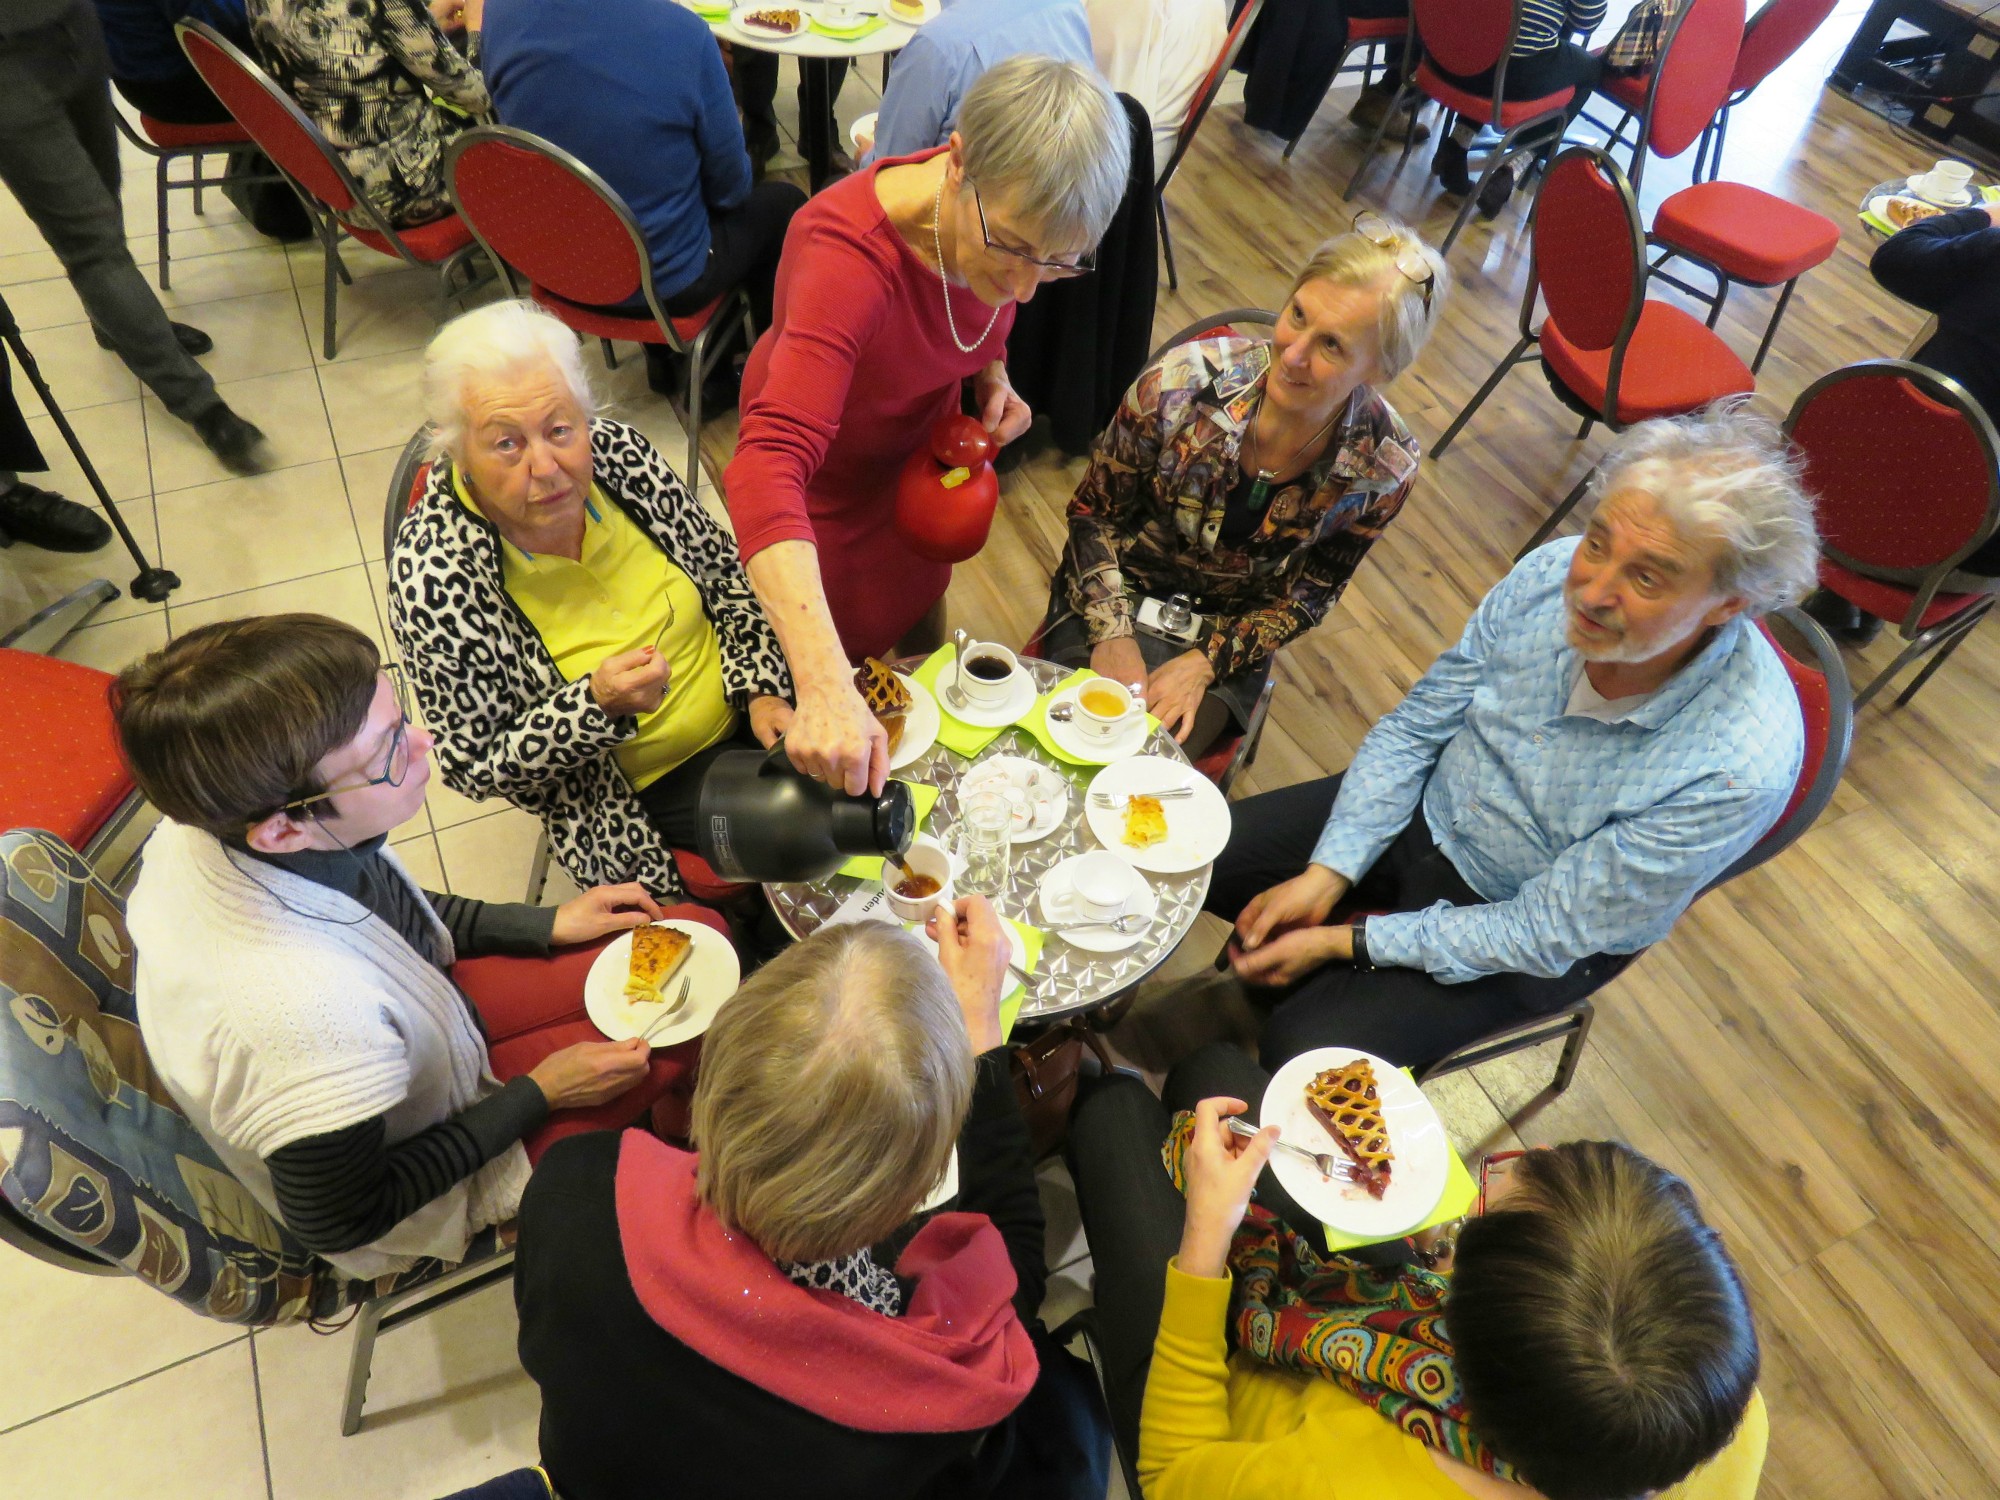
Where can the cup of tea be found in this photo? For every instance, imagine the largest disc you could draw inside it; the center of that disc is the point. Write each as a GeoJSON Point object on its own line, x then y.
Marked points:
{"type": "Point", "coordinates": [1100, 885]}
{"type": "Point", "coordinates": [989, 673]}
{"type": "Point", "coordinates": [1103, 709]}
{"type": "Point", "coordinates": [1946, 181]}
{"type": "Point", "coordinates": [834, 13]}
{"type": "Point", "coordinates": [923, 880]}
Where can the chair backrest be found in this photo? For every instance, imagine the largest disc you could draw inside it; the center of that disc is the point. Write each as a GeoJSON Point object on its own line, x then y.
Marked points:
{"type": "Point", "coordinates": [274, 121]}
{"type": "Point", "coordinates": [1236, 320]}
{"type": "Point", "coordinates": [406, 486]}
{"type": "Point", "coordinates": [1691, 79]}
{"type": "Point", "coordinates": [1774, 34]}
{"type": "Point", "coordinates": [1467, 37]}
{"type": "Point", "coordinates": [1589, 250]}
{"type": "Point", "coordinates": [1211, 85]}
{"type": "Point", "coordinates": [542, 211]}
{"type": "Point", "coordinates": [1826, 707]}
{"type": "Point", "coordinates": [1904, 467]}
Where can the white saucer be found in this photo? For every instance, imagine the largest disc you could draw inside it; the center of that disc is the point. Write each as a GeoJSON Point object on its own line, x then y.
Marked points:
{"type": "Point", "coordinates": [712, 967]}
{"type": "Point", "coordinates": [920, 725]}
{"type": "Point", "coordinates": [1961, 199]}
{"type": "Point", "coordinates": [1054, 895]}
{"type": "Point", "coordinates": [1092, 752]}
{"type": "Point", "coordinates": [1045, 790]}
{"type": "Point", "coordinates": [1020, 698]}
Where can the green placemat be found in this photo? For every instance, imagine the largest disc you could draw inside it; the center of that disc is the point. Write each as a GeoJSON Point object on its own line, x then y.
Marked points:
{"type": "Point", "coordinates": [869, 866]}
{"type": "Point", "coordinates": [852, 33]}
{"type": "Point", "coordinates": [1459, 1191]}
{"type": "Point", "coordinates": [1010, 1003]}
{"type": "Point", "coordinates": [1036, 721]}
{"type": "Point", "coordinates": [713, 14]}
{"type": "Point", "coordinates": [953, 734]}
{"type": "Point", "coordinates": [1988, 194]}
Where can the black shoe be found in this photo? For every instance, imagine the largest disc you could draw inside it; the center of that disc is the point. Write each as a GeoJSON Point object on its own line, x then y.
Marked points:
{"type": "Point", "coordinates": [1498, 189]}
{"type": "Point", "coordinates": [192, 340]}
{"type": "Point", "coordinates": [231, 439]}
{"type": "Point", "coordinates": [666, 372]}
{"type": "Point", "coordinates": [1449, 164]}
{"type": "Point", "coordinates": [42, 518]}
{"type": "Point", "coordinates": [1845, 622]}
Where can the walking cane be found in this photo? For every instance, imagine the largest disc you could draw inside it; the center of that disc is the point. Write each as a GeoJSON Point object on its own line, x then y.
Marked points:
{"type": "Point", "coordinates": [153, 584]}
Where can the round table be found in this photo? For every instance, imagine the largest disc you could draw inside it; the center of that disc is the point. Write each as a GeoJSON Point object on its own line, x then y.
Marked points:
{"type": "Point", "coordinates": [814, 52]}
{"type": "Point", "coordinates": [1067, 979]}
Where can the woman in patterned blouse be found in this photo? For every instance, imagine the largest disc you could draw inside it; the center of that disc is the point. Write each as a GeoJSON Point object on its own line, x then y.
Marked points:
{"type": "Point", "coordinates": [372, 75]}
{"type": "Point", "coordinates": [1250, 476]}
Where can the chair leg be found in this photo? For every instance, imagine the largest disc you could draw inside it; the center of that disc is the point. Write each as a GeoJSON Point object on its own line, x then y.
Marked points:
{"type": "Point", "coordinates": [1572, 1052]}
{"type": "Point", "coordinates": [1499, 374]}
{"type": "Point", "coordinates": [538, 869]}
{"type": "Point", "coordinates": [1771, 329]}
{"type": "Point", "coordinates": [695, 364]}
{"type": "Point", "coordinates": [610, 355]}
{"type": "Point", "coordinates": [1166, 241]}
{"type": "Point", "coordinates": [1556, 516]}
{"type": "Point", "coordinates": [160, 186]}
{"type": "Point", "coordinates": [366, 1323]}
{"type": "Point", "coordinates": [1584, 431]}
{"type": "Point", "coordinates": [330, 298]}
{"type": "Point", "coordinates": [1722, 286]}
{"type": "Point", "coordinates": [1721, 139]}
{"type": "Point", "coordinates": [46, 629]}
{"type": "Point", "coordinates": [1945, 650]}
{"type": "Point", "coordinates": [1375, 141]}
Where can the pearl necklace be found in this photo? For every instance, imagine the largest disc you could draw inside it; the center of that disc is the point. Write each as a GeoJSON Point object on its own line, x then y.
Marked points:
{"type": "Point", "coordinates": [944, 281]}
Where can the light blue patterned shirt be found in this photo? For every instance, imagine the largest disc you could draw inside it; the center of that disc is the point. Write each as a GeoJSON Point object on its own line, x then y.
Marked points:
{"type": "Point", "coordinates": [1584, 836]}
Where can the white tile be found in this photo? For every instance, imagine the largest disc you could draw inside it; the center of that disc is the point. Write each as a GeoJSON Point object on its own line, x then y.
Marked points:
{"type": "Point", "coordinates": [1067, 1293]}
{"type": "Point", "coordinates": [69, 1336]}
{"type": "Point", "coordinates": [419, 855]}
{"type": "Point", "coordinates": [246, 533]}
{"type": "Point", "coordinates": [49, 303]}
{"type": "Point", "coordinates": [384, 314]}
{"type": "Point", "coordinates": [78, 372]}
{"type": "Point", "coordinates": [1062, 1234]}
{"type": "Point", "coordinates": [287, 408]}
{"type": "Point", "coordinates": [116, 644]}
{"type": "Point", "coordinates": [488, 858]}
{"type": "Point", "coordinates": [31, 579]}
{"type": "Point", "coordinates": [343, 594]}
{"type": "Point", "coordinates": [36, 263]}
{"type": "Point", "coordinates": [233, 273]}
{"type": "Point", "coordinates": [260, 335]}
{"type": "Point", "coordinates": [448, 1406]}
{"type": "Point", "coordinates": [368, 476]}
{"type": "Point", "coordinates": [449, 809]}
{"type": "Point", "coordinates": [113, 438]}
{"type": "Point", "coordinates": [374, 403]}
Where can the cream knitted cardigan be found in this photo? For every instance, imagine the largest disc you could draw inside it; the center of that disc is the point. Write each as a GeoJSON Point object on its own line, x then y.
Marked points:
{"type": "Point", "coordinates": [276, 1009]}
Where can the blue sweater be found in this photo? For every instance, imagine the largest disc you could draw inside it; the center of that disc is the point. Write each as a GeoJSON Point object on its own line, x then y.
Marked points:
{"type": "Point", "coordinates": [636, 90]}
{"type": "Point", "coordinates": [139, 34]}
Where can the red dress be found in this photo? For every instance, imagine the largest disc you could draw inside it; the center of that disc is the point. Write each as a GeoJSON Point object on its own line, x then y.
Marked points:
{"type": "Point", "coordinates": [846, 383]}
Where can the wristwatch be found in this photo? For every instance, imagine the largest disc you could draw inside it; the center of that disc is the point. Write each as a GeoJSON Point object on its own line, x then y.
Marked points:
{"type": "Point", "coordinates": [1362, 962]}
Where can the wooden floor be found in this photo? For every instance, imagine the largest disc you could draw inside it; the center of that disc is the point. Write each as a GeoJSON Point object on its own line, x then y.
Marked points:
{"type": "Point", "coordinates": [1817, 1046]}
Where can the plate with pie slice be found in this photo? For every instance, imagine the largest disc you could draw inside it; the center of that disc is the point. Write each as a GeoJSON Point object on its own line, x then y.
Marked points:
{"type": "Point", "coordinates": [1370, 1114]}
{"type": "Point", "coordinates": [639, 973]}
{"type": "Point", "coordinates": [901, 705]}
{"type": "Point", "coordinates": [1167, 835]}
{"type": "Point", "coordinates": [771, 21]}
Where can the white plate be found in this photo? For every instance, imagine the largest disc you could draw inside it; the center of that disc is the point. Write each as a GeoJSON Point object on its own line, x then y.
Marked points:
{"type": "Point", "coordinates": [1054, 894]}
{"type": "Point", "coordinates": [712, 966]}
{"type": "Point", "coordinates": [739, 20]}
{"type": "Point", "coordinates": [1045, 791]}
{"type": "Point", "coordinates": [1879, 206]}
{"type": "Point", "coordinates": [866, 126]}
{"type": "Point", "coordinates": [947, 1188]}
{"type": "Point", "coordinates": [1017, 702]}
{"type": "Point", "coordinates": [1416, 1135]}
{"type": "Point", "coordinates": [1092, 752]}
{"type": "Point", "coordinates": [1962, 200]}
{"type": "Point", "coordinates": [920, 725]}
{"type": "Point", "coordinates": [1197, 826]}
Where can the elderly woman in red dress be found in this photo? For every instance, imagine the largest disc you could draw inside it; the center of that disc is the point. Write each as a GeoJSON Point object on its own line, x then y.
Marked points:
{"type": "Point", "coordinates": [897, 287]}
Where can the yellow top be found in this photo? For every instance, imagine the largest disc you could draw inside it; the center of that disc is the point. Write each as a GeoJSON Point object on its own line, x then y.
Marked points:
{"type": "Point", "coordinates": [615, 598]}
{"type": "Point", "coordinates": [1218, 1426]}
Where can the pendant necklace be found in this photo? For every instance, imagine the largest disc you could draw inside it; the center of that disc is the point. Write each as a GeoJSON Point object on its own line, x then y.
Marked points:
{"type": "Point", "coordinates": [1260, 489]}
{"type": "Point", "coordinates": [937, 238]}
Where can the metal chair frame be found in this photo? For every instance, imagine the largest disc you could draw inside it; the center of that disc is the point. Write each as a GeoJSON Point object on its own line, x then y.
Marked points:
{"type": "Point", "coordinates": [1708, 152]}
{"type": "Point", "coordinates": [700, 354]}
{"type": "Point", "coordinates": [163, 184]}
{"type": "Point", "coordinates": [1946, 635]}
{"type": "Point", "coordinates": [1232, 46]}
{"type": "Point", "coordinates": [1642, 141]}
{"type": "Point", "coordinates": [328, 225]}
{"type": "Point", "coordinates": [1366, 68]}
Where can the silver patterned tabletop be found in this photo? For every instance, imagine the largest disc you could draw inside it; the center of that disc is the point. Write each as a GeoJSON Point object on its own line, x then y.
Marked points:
{"type": "Point", "coordinates": [1067, 979]}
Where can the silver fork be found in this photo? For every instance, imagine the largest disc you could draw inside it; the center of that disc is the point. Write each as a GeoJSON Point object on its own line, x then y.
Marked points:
{"type": "Point", "coordinates": [1169, 794]}
{"type": "Point", "coordinates": [1329, 1165]}
{"type": "Point", "coordinates": [1130, 922]}
{"type": "Point", "coordinates": [659, 1021]}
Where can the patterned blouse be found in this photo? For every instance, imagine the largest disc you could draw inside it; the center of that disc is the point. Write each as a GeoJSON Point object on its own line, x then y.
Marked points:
{"type": "Point", "coordinates": [364, 71]}
{"type": "Point", "coordinates": [1148, 515]}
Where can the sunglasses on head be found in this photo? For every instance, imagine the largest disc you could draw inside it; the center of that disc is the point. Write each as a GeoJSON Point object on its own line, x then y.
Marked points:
{"type": "Point", "coordinates": [1379, 231]}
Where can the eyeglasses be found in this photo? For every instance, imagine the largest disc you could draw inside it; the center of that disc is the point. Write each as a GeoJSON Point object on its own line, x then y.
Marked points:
{"type": "Point", "coordinates": [398, 764]}
{"type": "Point", "coordinates": [1485, 1168]}
{"type": "Point", "coordinates": [1409, 260]}
{"type": "Point", "coordinates": [1058, 268]}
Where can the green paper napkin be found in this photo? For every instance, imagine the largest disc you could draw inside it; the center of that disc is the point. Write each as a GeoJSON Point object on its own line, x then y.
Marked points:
{"type": "Point", "coordinates": [852, 33]}
{"type": "Point", "coordinates": [953, 734]}
{"type": "Point", "coordinates": [869, 866]}
{"type": "Point", "coordinates": [711, 13]}
{"type": "Point", "coordinates": [1036, 721]}
{"type": "Point", "coordinates": [1459, 1191]}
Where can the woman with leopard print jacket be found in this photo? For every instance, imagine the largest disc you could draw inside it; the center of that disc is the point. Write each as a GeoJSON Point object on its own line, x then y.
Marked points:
{"type": "Point", "coordinates": [580, 633]}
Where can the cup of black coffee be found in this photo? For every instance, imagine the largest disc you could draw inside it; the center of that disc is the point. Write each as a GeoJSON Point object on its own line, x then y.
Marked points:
{"type": "Point", "coordinates": [989, 673]}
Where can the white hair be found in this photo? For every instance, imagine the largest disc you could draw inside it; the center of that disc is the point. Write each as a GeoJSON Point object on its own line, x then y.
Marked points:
{"type": "Point", "coordinates": [485, 344]}
{"type": "Point", "coordinates": [1051, 139]}
{"type": "Point", "coordinates": [1726, 474]}
{"type": "Point", "coordinates": [1410, 306]}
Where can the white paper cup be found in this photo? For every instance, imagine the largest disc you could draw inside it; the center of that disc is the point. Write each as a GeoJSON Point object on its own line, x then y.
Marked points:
{"type": "Point", "coordinates": [926, 856]}
{"type": "Point", "coordinates": [989, 691]}
{"type": "Point", "coordinates": [1101, 727]}
{"type": "Point", "coordinates": [1100, 885]}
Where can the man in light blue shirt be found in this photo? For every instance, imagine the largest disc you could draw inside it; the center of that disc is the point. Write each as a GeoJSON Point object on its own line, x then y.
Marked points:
{"type": "Point", "coordinates": [946, 57]}
{"type": "Point", "coordinates": [1607, 737]}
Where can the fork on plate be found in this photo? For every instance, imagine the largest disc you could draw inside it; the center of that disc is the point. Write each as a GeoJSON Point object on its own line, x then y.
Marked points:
{"type": "Point", "coordinates": [1165, 794]}
{"type": "Point", "coordinates": [1337, 1168]}
{"type": "Point", "coordinates": [659, 1021]}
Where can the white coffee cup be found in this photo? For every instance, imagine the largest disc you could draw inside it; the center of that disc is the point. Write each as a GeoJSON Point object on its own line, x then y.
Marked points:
{"type": "Point", "coordinates": [1945, 181]}
{"type": "Point", "coordinates": [990, 692]}
{"type": "Point", "coordinates": [1100, 885]}
{"type": "Point", "coordinates": [926, 856]}
{"type": "Point", "coordinates": [836, 14]}
{"type": "Point", "coordinates": [1092, 698]}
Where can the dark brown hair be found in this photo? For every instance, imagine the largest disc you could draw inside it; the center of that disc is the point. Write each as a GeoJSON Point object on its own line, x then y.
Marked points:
{"type": "Point", "coordinates": [229, 723]}
{"type": "Point", "coordinates": [1600, 1329]}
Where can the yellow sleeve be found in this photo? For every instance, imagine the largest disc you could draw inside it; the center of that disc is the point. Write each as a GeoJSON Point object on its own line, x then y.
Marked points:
{"type": "Point", "coordinates": [1185, 1452]}
{"type": "Point", "coordinates": [1733, 1473]}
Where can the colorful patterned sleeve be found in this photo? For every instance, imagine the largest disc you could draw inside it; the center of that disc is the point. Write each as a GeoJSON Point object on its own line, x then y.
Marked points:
{"type": "Point", "coordinates": [1104, 512]}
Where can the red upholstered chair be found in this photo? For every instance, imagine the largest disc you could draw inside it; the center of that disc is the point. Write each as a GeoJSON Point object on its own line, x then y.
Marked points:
{"type": "Point", "coordinates": [1465, 38]}
{"type": "Point", "coordinates": [1674, 103]}
{"type": "Point", "coordinates": [540, 211]}
{"type": "Point", "coordinates": [1772, 36]}
{"type": "Point", "coordinates": [167, 144]}
{"type": "Point", "coordinates": [333, 200]}
{"type": "Point", "coordinates": [1211, 85]}
{"type": "Point", "coordinates": [1616, 355]}
{"type": "Point", "coordinates": [1364, 35]}
{"type": "Point", "coordinates": [60, 767]}
{"type": "Point", "coordinates": [1893, 531]}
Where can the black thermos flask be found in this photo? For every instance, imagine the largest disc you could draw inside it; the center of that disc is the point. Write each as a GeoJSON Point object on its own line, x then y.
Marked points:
{"type": "Point", "coordinates": [764, 820]}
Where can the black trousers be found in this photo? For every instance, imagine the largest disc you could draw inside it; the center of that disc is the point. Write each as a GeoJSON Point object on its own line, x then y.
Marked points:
{"type": "Point", "coordinates": [185, 100]}
{"type": "Point", "coordinates": [743, 249]}
{"type": "Point", "coordinates": [1132, 1212]}
{"type": "Point", "coordinates": [1540, 73]}
{"type": "Point", "coordinates": [1403, 1015]}
{"type": "Point", "coordinates": [756, 76]}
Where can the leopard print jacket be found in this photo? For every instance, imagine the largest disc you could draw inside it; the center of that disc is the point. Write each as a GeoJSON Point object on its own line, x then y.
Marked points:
{"type": "Point", "coordinates": [508, 724]}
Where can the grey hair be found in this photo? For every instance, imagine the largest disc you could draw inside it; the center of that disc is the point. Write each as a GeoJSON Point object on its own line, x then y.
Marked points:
{"type": "Point", "coordinates": [499, 339]}
{"type": "Point", "coordinates": [1727, 474]}
{"type": "Point", "coordinates": [1404, 322]}
{"type": "Point", "coordinates": [1052, 140]}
